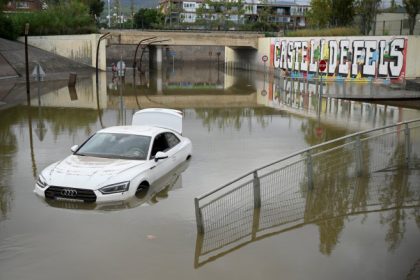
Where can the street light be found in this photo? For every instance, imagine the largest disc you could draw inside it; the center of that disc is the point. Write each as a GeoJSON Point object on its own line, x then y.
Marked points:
{"type": "Point", "coordinates": [97, 55]}
{"type": "Point", "coordinates": [148, 44]}
{"type": "Point", "coordinates": [109, 15]}
{"type": "Point", "coordinates": [28, 93]}
{"type": "Point", "coordinates": [137, 48]}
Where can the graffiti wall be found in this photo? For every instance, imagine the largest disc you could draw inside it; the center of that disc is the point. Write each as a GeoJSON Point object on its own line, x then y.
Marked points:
{"type": "Point", "coordinates": [349, 59]}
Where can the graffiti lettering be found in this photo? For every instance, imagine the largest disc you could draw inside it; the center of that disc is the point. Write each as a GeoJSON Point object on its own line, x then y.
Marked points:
{"type": "Point", "coordinates": [355, 58]}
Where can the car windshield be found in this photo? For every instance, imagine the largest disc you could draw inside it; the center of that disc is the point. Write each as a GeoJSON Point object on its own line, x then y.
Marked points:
{"type": "Point", "coordinates": [116, 145]}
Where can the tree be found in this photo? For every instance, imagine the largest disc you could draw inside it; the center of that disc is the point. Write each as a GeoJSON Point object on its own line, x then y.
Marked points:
{"type": "Point", "coordinates": [2, 4]}
{"type": "Point", "coordinates": [319, 13]}
{"type": "Point", "coordinates": [327, 13]}
{"type": "Point", "coordinates": [95, 7]}
{"type": "Point", "coordinates": [342, 12]}
{"type": "Point", "coordinates": [240, 10]}
{"type": "Point", "coordinates": [148, 18]}
{"type": "Point", "coordinates": [393, 6]}
{"type": "Point", "coordinates": [412, 7]}
{"type": "Point", "coordinates": [204, 14]}
{"type": "Point", "coordinates": [367, 9]}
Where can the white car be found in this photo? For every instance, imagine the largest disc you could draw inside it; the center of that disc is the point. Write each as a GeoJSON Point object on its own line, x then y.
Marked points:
{"type": "Point", "coordinates": [117, 162]}
{"type": "Point", "coordinates": [158, 191]}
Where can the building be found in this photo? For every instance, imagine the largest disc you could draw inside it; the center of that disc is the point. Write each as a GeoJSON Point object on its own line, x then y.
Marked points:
{"type": "Point", "coordinates": [24, 5]}
{"type": "Point", "coordinates": [288, 14]}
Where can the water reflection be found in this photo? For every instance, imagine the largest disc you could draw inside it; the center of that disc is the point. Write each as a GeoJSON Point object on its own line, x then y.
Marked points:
{"type": "Point", "coordinates": [222, 118]}
{"type": "Point", "coordinates": [8, 149]}
{"type": "Point", "coordinates": [304, 98]}
{"type": "Point", "coordinates": [156, 192]}
{"type": "Point", "coordinates": [396, 195]}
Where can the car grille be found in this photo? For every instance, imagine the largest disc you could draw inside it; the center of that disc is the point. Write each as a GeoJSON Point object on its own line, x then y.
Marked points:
{"type": "Point", "coordinates": [54, 192]}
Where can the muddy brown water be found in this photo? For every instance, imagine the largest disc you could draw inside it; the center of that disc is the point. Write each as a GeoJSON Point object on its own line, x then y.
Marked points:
{"type": "Point", "coordinates": [234, 129]}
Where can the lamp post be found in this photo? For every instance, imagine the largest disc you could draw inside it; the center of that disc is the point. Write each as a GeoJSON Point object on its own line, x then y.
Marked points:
{"type": "Point", "coordinates": [28, 92]}
{"type": "Point", "coordinates": [137, 48]}
{"type": "Point", "coordinates": [109, 15]}
{"type": "Point", "coordinates": [97, 55]}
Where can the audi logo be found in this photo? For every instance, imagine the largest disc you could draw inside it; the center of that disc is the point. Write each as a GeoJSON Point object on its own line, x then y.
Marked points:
{"type": "Point", "coordinates": [68, 192]}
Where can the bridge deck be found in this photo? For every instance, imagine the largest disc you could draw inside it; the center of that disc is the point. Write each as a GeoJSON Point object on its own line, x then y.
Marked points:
{"type": "Point", "coordinates": [186, 38]}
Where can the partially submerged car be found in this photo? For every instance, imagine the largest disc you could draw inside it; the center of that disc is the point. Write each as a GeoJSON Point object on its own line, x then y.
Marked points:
{"type": "Point", "coordinates": [156, 192]}
{"type": "Point", "coordinates": [117, 162]}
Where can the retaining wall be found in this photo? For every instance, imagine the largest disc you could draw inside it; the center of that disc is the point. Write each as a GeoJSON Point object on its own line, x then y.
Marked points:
{"type": "Point", "coordinates": [80, 48]}
{"type": "Point", "coordinates": [355, 57]}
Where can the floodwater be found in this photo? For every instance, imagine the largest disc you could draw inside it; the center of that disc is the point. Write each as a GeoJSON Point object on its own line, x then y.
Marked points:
{"type": "Point", "coordinates": [237, 122]}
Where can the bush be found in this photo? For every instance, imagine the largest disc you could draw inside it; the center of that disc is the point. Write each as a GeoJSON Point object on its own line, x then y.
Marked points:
{"type": "Point", "coordinates": [68, 18]}
{"type": "Point", "coordinates": [337, 31]}
{"type": "Point", "coordinates": [7, 28]}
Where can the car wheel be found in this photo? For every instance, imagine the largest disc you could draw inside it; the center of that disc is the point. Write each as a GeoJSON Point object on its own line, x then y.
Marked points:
{"type": "Point", "coordinates": [142, 190]}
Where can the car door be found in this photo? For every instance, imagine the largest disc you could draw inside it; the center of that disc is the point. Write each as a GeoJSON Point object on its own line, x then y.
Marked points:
{"type": "Point", "coordinates": [175, 147]}
{"type": "Point", "coordinates": [162, 166]}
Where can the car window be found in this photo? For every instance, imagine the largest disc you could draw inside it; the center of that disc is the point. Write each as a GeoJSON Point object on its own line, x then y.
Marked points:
{"type": "Point", "coordinates": [160, 144]}
{"type": "Point", "coordinates": [116, 145]}
{"type": "Point", "coordinates": [172, 139]}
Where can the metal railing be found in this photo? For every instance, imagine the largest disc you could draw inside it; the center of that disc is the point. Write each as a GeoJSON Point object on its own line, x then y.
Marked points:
{"type": "Point", "coordinates": [290, 180]}
{"type": "Point", "coordinates": [327, 207]}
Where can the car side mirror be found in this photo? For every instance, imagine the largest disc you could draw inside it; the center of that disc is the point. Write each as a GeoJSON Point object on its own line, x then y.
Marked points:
{"type": "Point", "coordinates": [74, 148]}
{"type": "Point", "coordinates": [160, 155]}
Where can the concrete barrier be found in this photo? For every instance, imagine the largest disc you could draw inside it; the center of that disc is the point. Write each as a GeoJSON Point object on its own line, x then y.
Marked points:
{"type": "Point", "coordinates": [79, 48]}
{"type": "Point", "coordinates": [355, 58]}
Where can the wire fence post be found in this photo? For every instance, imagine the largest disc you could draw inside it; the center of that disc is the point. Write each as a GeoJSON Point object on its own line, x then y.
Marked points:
{"type": "Point", "coordinates": [407, 144]}
{"type": "Point", "coordinates": [257, 190]}
{"type": "Point", "coordinates": [198, 217]}
{"type": "Point", "coordinates": [359, 156]}
{"type": "Point", "coordinates": [309, 170]}
{"type": "Point", "coordinates": [255, 223]}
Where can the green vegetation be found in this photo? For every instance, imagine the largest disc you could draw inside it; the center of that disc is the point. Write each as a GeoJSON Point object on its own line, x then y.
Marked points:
{"type": "Point", "coordinates": [367, 10]}
{"type": "Point", "coordinates": [148, 18]}
{"type": "Point", "coordinates": [220, 14]}
{"type": "Point", "coordinates": [7, 29]}
{"type": "Point", "coordinates": [67, 18]}
{"type": "Point", "coordinates": [413, 8]}
{"type": "Point", "coordinates": [329, 13]}
{"type": "Point", "coordinates": [335, 31]}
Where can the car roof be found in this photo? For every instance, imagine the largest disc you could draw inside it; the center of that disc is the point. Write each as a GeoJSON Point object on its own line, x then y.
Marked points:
{"type": "Point", "coordinates": [134, 129]}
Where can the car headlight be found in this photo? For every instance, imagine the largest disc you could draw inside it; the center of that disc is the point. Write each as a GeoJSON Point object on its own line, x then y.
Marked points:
{"type": "Point", "coordinates": [41, 182]}
{"type": "Point", "coordinates": [115, 188]}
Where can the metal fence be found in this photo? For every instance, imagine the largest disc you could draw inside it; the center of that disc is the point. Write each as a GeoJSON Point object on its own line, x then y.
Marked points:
{"type": "Point", "coordinates": [299, 188]}
{"type": "Point", "coordinates": [394, 27]}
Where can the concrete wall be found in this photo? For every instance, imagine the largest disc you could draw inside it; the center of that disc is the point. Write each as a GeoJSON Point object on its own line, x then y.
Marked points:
{"type": "Point", "coordinates": [186, 38]}
{"type": "Point", "coordinates": [80, 48]}
{"type": "Point", "coordinates": [413, 58]}
{"type": "Point", "coordinates": [408, 60]}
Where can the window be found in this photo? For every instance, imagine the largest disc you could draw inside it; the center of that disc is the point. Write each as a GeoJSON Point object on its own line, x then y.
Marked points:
{"type": "Point", "coordinates": [164, 142]}
{"type": "Point", "coordinates": [22, 5]}
{"type": "Point", "coordinates": [172, 139]}
{"type": "Point", "coordinates": [116, 145]}
{"type": "Point", "coordinates": [159, 145]}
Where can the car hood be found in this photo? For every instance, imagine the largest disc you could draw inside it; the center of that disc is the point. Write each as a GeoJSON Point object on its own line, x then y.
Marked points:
{"type": "Point", "coordinates": [89, 172]}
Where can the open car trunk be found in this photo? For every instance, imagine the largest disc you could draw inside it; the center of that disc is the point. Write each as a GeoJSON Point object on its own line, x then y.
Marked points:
{"type": "Point", "coordinates": [165, 118]}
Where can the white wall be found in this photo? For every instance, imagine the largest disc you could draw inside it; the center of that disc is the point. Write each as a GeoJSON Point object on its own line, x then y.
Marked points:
{"type": "Point", "coordinates": [266, 46]}
{"type": "Point", "coordinates": [80, 48]}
